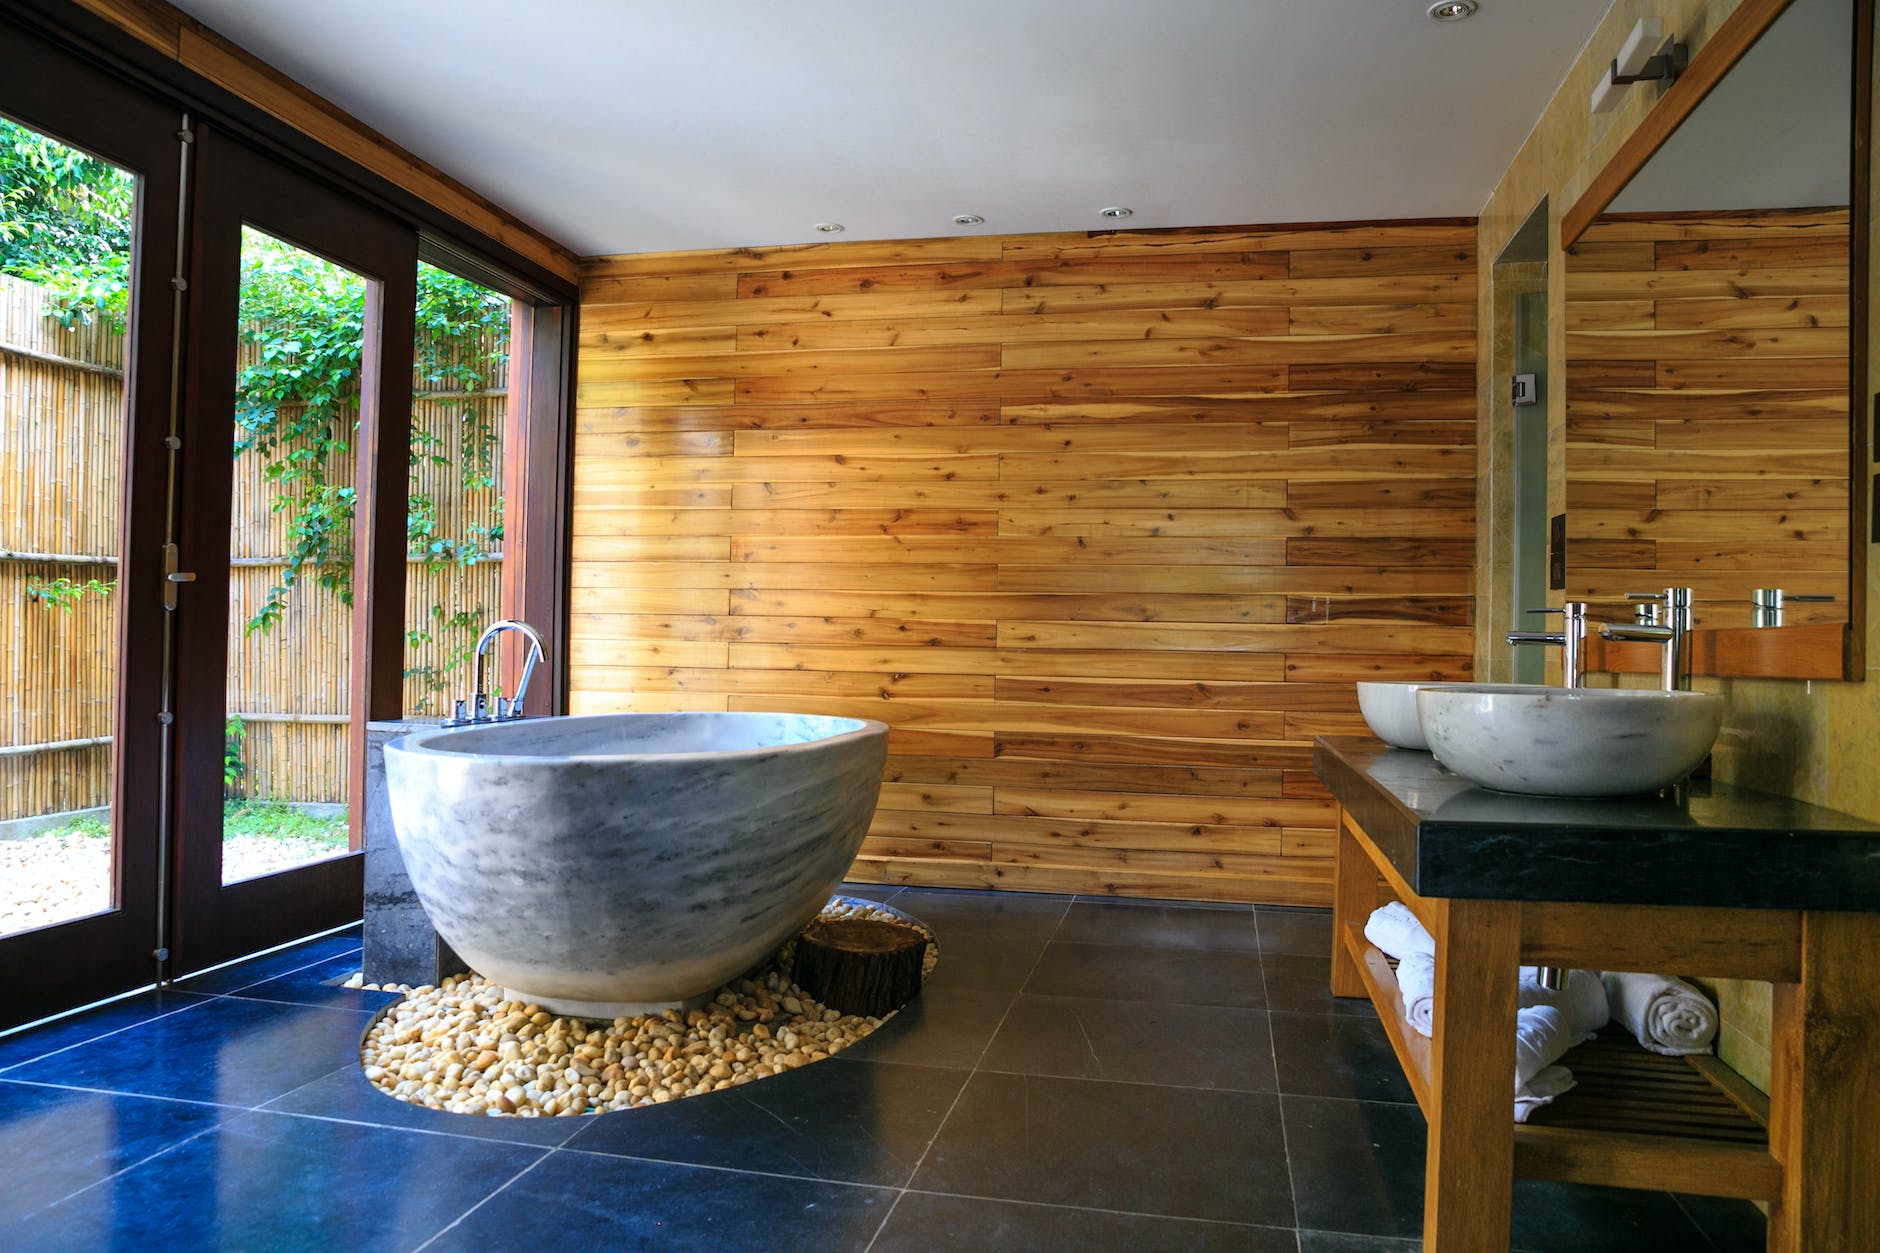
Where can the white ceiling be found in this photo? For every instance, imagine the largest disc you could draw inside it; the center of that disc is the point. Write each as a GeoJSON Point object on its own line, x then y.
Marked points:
{"type": "Point", "coordinates": [645, 125]}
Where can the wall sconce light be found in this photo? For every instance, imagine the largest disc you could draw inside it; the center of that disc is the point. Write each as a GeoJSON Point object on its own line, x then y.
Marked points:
{"type": "Point", "coordinates": [1649, 56]}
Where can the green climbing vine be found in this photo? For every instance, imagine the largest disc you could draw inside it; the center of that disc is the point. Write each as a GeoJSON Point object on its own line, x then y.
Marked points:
{"type": "Point", "coordinates": [66, 225]}
{"type": "Point", "coordinates": [63, 593]}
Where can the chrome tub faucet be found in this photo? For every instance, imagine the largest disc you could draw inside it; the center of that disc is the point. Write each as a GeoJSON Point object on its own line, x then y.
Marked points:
{"type": "Point", "coordinates": [478, 707]}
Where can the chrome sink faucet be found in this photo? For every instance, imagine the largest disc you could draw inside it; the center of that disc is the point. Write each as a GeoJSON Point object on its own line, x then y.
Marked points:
{"type": "Point", "coordinates": [479, 708]}
{"type": "Point", "coordinates": [1571, 639]}
{"type": "Point", "coordinates": [1664, 618]}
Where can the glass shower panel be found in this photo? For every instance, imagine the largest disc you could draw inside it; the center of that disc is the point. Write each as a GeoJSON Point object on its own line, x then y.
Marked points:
{"type": "Point", "coordinates": [66, 225]}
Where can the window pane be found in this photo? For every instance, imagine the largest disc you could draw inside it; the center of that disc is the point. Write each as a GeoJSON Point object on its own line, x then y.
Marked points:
{"type": "Point", "coordinates": [66, 221]}
{"type": "Point", "coordinates": [453, 583]}
{"type": "Point", "coordinates": [290, 586]}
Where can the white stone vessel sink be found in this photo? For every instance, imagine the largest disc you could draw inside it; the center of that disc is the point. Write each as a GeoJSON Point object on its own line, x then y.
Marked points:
{"type": "Point", "coordinates": [616, 864]}
{"type": "Point", "coordinates": [1390, 710]}
{"type": "Point", "coordinates": [1555, 741]}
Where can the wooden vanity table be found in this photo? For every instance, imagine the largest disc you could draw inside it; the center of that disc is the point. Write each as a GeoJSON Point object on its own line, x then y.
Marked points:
{"type": "Point", "coordinates": [1724, 882]}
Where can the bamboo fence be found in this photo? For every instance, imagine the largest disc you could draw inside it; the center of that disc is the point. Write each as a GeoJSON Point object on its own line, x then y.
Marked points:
{"type": "Point", "coordinates": [61, 450]}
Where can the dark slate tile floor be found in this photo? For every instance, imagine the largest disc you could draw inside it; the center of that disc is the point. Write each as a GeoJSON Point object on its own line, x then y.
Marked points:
{"type": "Point", "coordinates": [1078, 1074]}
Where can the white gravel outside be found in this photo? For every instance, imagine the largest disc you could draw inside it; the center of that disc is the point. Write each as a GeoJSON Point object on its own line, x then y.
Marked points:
{"type": "Point", "coordinates": [59, 876]}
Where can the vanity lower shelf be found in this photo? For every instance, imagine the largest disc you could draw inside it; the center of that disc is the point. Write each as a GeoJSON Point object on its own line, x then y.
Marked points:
{"type": "Point", "coordinates": [1722, 882]}
{"type": "Point", "coordinates": [1634, 1118]}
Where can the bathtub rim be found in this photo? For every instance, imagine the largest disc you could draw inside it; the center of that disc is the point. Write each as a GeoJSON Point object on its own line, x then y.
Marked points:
{"type": "Point", "coordinates": [421, 742]}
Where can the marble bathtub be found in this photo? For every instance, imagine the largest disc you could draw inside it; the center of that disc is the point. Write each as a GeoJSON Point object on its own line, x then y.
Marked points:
{"type": "Point", "coordinates": [619, 863]}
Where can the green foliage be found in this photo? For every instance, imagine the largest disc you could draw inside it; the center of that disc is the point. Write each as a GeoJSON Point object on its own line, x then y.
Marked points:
{"type": "Point", "coordinates": [234, 769]}
{"type": "Point", "coordinates": [63, 593]}
{"type": "Point", "coordinates": [297, 407]}
{"type": "Point", "coordinates": [85, 828]}
{"type": "Point", "coordinates": [458, 631]}
{"type": "Point", "coordinates": [279, 820]}
{"type": "Point", "coordinates": [65, 223]}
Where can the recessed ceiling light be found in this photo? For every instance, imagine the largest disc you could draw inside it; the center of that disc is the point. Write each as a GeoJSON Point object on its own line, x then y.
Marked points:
{"type": "Point", "coordinates": [1452, 10]}
{"type": "Point", "coordinates": [1114, 211]}
{"type": "Point", "coordinates": [968, 219]}
{"type": "Point", "coordinates": [829, 228]}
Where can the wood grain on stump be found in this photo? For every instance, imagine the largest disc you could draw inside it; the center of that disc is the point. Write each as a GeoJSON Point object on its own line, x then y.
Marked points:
{"type": "Point", "coordinates": [860, 965]}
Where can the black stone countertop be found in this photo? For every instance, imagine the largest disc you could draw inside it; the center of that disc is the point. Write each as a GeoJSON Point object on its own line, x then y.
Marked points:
{"type": "Point", "coordinates": [1713, 845]}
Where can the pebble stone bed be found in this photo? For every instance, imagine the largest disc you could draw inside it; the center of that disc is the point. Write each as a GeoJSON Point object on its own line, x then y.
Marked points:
{"type": "Point", "coordinates": [57, 876]}
{"type": "Point", "coordinates": [461, 1047]}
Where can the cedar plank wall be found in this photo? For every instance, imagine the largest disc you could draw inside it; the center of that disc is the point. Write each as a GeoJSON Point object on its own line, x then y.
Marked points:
{"type": "Point", "coordinates": [1103, 526]}
{"type": "Point", "coordinates": [1707, 409]}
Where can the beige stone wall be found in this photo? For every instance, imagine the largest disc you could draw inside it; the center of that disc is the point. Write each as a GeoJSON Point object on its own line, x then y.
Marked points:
{"type": "Point", "coordinates": [1817, 741]}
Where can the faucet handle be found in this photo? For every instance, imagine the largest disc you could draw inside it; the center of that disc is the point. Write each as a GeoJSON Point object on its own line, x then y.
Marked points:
{"type": "Point", "coordinates": [1571, 609]}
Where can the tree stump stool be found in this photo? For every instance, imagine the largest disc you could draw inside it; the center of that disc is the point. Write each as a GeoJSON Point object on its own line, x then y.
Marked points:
{"type": "Point", "coordinates": [860, 965]}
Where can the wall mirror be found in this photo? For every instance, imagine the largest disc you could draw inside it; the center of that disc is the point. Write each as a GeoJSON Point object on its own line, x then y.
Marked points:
{"type": "Point", "coordinates": [1713, 347]}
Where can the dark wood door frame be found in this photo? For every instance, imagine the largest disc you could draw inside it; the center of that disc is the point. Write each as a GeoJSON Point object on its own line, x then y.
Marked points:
{"type": "Point", "coordinates": [538, 467]}
{"type": "Point", "coordinates": [236, 186]}
{"type": "Point", "coordinates": [46, 970]}
{"type": "Point", "coordinates": [86, 82]}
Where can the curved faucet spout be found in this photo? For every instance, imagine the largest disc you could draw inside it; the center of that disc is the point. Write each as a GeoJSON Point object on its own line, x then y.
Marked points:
{"type": "Point", "coordinates": [479, 692]}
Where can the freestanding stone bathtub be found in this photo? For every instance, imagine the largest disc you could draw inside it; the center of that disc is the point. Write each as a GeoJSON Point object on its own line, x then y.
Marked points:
{"type": "Point", "coordinates": [620, 863]}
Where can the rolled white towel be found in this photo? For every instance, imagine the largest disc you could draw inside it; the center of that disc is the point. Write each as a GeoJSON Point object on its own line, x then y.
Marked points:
{"type": "Point", "coordinates": [1667, 1014]}
{"type": "Point", "coordinates": [1396, 931]}
{"type": "Point", "coordinates": [1582, 999]}
{"type": "Point", "coordinates": [1547, 1084]}
{"type": "Point", "coordinates": [1542, 1035]}
{"type": "Point", "coordinates": [1543, 1032]}
{"type": "Point", "coordinates": [1416, 980]}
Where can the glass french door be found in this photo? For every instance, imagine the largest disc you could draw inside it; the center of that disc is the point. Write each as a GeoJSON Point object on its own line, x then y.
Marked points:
{"type": "Point", "coordinates": [290, 614]}
{"type": "Point", "coordinates": [88, 246]}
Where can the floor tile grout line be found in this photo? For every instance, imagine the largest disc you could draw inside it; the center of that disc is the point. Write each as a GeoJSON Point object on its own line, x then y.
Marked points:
{"type": "Point", "coordinates": [1702, 1232]}
{"type": "Point", "coordinates": [142, 1161]}
{"type": "Point", "coordinates": [239, 999]}
{"type": "Point", "coordinates": [452, 1225]}
{"type": "Point", "coordinates": [1285, 1143]}
{"type": "Point", "coordinates": [1279, 1099]}
{"type": "Point", "coordinates": [310, 1116]}
{"type": "Point", "coordinates": [141, 1096]}
{"type": "Point", "coordinates": [247, 999]}
{"type": "Point", "coordinates": [1096, 1209]}
{"type": "Point", "coordinates": [886, 1218]}
{"type": "Point", "coordinates": [178, 985]}
{"type": "Point", "coordinates": [206, 997]}
{"type": "Point", "coordinates": [974, 1069]}
{"type": "Point", "coordinates": [1135, 1083]}
{"type": "Point", "coordinates": [728, 1170]}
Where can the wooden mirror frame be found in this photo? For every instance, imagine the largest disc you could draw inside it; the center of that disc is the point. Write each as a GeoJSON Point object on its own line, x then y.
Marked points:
{"type": "Point", "coordinates": [1834, 650]}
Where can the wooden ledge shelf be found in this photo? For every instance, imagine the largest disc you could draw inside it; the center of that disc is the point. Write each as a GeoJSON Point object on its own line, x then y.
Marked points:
{"type": "Point", "coordinates": [1811, 650]}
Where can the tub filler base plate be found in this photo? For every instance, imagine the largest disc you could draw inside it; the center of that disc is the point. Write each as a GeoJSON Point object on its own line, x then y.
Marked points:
{"type": "Point", "coordinates": [603, 1009]}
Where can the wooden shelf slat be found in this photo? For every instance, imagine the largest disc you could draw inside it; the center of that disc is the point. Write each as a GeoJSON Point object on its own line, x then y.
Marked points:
{"type": "Point", "coordinates": [1623, 1160]}
{"type": "Point", "coordinates": [1643, 1120]}
{"type": "Point", "coordinates": [1380, 980]}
